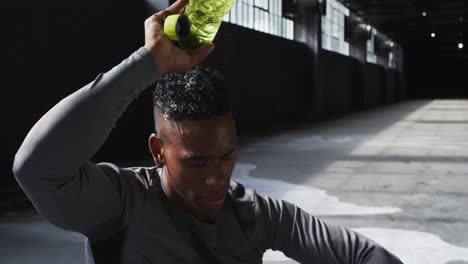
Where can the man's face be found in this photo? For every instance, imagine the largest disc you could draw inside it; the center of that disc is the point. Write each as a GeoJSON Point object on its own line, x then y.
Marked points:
{"type": "Point", "coordinates": [199, 158]}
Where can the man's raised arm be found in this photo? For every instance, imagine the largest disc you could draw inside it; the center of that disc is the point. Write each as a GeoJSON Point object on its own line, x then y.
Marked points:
{"type": "Point", "coordinates": [52, 165]}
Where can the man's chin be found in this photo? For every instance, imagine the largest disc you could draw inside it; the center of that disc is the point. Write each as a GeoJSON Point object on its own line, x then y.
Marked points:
{"type": "Point", "coordinates": [208, 215]}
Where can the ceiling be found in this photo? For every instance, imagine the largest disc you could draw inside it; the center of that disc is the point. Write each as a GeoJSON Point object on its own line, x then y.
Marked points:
{"type": "Point", "coordinates": [403, 21]}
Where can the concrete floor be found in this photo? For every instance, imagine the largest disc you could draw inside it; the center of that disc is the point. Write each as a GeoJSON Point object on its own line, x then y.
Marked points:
{"type": "Point", "coordinates": [397, 174]}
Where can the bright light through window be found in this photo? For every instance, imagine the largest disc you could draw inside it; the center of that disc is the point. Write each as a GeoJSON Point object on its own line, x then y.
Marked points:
{"type": "Point", "coordinates": [370, 47]}
{"type": "Point", "coordinates": [333, 24]}
{"type": "Point", "coordinates": [261, 15]}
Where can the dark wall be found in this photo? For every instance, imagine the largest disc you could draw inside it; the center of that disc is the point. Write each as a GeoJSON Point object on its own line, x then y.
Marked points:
{"type": "Point", "coordinates": [432, 76]}
{"type": "Point", "coordinates": [374, 85]}
{"type": "Point", "coordinates": [347, 84]}
{"type": "Point", "coordinates": [391, 85]}
{"type": "Point", "coordinates": [335, 80]}
{"type": "Point", "coordinates": [52, 48]}
{"type": "Point", "coordinates": [269, 76]}
{"type": "Point", "coordinates": [56, 48]}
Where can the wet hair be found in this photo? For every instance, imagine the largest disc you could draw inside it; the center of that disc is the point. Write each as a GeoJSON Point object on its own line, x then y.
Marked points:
{"type": "Point", "coordinates": [200, 93]}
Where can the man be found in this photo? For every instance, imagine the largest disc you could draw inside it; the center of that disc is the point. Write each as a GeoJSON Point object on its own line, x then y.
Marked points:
{"type": "Point", "coordinates": [186, 209]}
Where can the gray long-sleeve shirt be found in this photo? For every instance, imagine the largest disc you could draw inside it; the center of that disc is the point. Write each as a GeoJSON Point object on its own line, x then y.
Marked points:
{"type": "Point", "coordinates": [98, 200]}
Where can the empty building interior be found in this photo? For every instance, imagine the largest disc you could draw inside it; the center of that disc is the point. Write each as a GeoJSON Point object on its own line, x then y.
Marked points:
{"type": "Point", "coordinates": [356, 111]}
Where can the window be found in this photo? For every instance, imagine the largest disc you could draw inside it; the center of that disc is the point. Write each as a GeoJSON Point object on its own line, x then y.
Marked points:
{"type": "Point", "coordinates": [333, 28]}
{"type": "Point", "coordinates": [261, 15]}
{"type": "Point", "coordinates": [370, 47]}
{"type": "Point", "coordinates": [391, 54]}
{"type": "Point", "coordinates": [390, 60]}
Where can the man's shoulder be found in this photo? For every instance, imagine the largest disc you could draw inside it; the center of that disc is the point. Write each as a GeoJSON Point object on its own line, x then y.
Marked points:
{"type": "Point", "coordinates": [146, 175]}
{"type": "Point", "coordinates": [255, 203]}
{"type": "Point", "coordinates": [240, 194]}
{"type": "Point", "coordinates": [244, 202]}
{"type": "Point", "coordinates": [247, 205]}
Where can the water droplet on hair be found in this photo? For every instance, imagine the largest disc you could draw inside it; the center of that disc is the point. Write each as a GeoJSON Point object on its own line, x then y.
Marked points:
{"type": "Point", "coordinates": [180, 128]}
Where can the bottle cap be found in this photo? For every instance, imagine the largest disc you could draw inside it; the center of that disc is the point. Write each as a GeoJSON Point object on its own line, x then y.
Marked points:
{"type": "Point", "coordinates": [177, 27]}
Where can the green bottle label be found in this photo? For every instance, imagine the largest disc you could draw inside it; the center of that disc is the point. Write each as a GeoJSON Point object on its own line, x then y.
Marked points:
{"type": "Point", "coordinates": [205, 18]}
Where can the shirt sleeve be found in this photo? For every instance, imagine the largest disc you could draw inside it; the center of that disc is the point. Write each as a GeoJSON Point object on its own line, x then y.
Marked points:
{"type": "Point", "coordinates": [52, 165]}
{"type": "Point", "coordinates": [307, 239]}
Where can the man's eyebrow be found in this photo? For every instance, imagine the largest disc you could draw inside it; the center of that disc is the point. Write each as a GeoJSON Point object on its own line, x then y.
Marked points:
{"type": "Point", "coordinates": [231, 150]}
{"type": "Point", "coordinates": [190, 155]}
{"type": "Point", "coordinates": [194, 156]}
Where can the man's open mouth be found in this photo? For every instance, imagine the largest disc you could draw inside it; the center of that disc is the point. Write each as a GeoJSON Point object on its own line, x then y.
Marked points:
{"type": "Point", "coordinates": [214, 201]}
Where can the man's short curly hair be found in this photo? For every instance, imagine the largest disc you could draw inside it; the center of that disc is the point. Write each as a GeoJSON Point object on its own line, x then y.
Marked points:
{"type": "Point", "coordinates": [200, 93]}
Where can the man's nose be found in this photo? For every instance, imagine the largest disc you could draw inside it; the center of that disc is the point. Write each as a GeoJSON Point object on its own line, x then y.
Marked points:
{"type": "Point", "coordinates": [218, 174]}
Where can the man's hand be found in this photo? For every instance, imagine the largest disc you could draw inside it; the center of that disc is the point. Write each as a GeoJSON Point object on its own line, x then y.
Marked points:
{"type": "Point", "coordinates": [168, 57]}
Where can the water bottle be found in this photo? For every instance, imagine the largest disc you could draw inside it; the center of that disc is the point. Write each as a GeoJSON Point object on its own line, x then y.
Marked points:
{"type": "Point", "coordinates": [198, 25]}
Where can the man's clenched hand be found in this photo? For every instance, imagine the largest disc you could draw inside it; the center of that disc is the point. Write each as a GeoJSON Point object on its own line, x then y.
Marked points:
{"type": "Point", "coordinates": [168, 57]}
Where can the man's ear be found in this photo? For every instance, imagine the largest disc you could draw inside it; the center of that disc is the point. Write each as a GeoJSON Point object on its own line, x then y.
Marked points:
{"type": "Point", "coordinates": [156, 149]}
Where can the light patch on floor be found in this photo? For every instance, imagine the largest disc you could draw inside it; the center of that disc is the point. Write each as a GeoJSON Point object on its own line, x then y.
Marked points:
{"type": "Point", "coordinates": [313, 200]}
{"type": "Point", "coordinates": [412, 247]}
